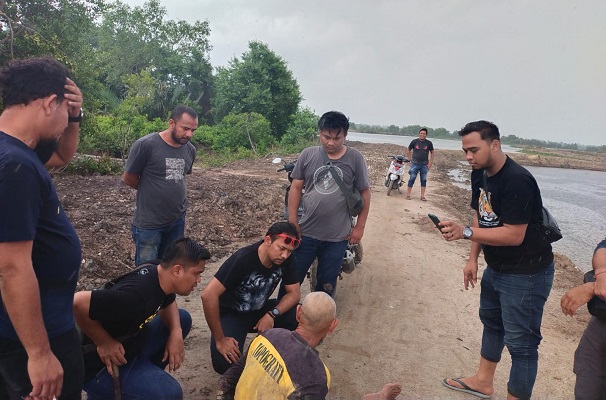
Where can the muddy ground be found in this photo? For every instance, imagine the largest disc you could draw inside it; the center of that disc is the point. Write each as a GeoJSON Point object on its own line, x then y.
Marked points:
{"type": "Point", "coordinates": [404, 315]}
{"type": "Point", "coordinates": [232, 205]}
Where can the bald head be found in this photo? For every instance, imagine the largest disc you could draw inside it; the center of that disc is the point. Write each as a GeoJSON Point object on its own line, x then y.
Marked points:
{"type": "Point", "coordinates": [318, 311]}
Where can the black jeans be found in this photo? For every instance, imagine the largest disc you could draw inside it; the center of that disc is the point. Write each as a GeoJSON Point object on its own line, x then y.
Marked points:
{"type": "Point", "coordinates": [14, 379]}
{"type": "Point", "coordinates": [238, 325]}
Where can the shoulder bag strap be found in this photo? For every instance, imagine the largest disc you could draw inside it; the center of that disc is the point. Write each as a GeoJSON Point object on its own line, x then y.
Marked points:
{"type": "Point", "coordinates": [334, 174]}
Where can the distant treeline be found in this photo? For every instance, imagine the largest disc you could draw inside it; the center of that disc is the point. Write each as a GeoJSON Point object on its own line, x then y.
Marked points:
{"type": "Point", "coordinates": [442, 133]}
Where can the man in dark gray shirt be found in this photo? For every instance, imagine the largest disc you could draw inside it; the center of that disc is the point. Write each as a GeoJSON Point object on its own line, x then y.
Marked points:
{"type": "Point", "coordinates": [157, 165]}
{"type": "Point", "coordinates": [325, 224]}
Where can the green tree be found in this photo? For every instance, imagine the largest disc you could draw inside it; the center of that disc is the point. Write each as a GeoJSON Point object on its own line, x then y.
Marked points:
{"type": "Point", "coordinates": [260, 82]}
{"type": "Point", "coordinates": [247, 130]}
{"type": "Point", "coordinates": [175, 53]}
{"type": "Point", "coordinates": [303, 128]}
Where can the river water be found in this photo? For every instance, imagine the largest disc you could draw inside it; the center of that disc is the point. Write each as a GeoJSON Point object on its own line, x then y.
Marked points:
{"type": "Point", "coordinates": [577, 198]}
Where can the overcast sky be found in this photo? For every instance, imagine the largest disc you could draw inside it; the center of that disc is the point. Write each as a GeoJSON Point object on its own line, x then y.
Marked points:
{"type": "Point", "coordinates": [535, 68]}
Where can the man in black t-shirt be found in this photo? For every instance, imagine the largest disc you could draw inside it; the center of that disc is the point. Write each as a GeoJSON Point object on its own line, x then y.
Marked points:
{"type": "Point", "coordinates": [420, 152]}
{"type": "Point", "coordinates": [133, 323]}
{"type": "Point", "coordinates": [40, 251]}
{"type": "Point", "coordinates": [236, 301]}
{"type": "Point", "coordinates": [519, 273]}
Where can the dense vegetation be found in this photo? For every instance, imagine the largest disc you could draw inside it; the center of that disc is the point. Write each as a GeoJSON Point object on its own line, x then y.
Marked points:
{"type": "Point", "coordinates": [134, 66]}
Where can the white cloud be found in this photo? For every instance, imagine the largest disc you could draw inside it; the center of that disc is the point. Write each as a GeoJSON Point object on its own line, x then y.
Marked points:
{"type": "Point", "coordinates": [536, 69]}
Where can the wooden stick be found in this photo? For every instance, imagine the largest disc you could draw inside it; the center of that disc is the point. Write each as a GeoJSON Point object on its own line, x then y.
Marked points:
{"type": "Point", "coordinates": [116, 380]}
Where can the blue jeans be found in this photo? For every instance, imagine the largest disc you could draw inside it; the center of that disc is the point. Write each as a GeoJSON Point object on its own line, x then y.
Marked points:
{"type": "Point", "coordinates": [143, 377]}
{"type": "Point", "coordinates": [14, 378]}
{"type": "Point", "coordinates": [330, 257]}
{"type": "Point", "coordinates": [511, 310]}
{"type": "Point", "coordinates": [150, 244]}
{"type": "Point", "coordinates": [238, 325]}
{"type": "Point", "coordinates": [415, 168]}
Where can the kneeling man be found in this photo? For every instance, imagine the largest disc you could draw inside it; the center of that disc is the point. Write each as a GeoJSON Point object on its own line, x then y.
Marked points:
{"type": "Point", "coordinates": [133, 324]}
{"type": "Point", "coordinates": [236, 301]}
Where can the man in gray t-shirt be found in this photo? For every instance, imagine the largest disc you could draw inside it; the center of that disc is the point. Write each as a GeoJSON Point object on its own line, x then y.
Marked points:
{"type": "Point", "coordinates": [325, 224]}
{"type": "Point", "coordinates": [156, 167]}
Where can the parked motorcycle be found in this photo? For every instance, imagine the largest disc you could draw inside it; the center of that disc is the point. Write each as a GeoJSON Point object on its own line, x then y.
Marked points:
{"type": "Point", "coordinates": [353, 253]}
{"type": "Point", "coordinates": [394, 178]}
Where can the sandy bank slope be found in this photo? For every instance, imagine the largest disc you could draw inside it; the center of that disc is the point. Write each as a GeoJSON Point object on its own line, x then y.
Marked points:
{"type": "Point", "coordinates": [404, 315]}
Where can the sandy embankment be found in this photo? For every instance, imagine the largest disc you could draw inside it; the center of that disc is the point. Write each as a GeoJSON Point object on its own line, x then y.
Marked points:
{"type": "Point", "coordinates": [404, 315]}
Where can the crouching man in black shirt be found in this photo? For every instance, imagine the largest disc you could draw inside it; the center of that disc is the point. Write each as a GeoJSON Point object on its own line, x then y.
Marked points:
{"type": "Point", "coordinates": [134, 323]}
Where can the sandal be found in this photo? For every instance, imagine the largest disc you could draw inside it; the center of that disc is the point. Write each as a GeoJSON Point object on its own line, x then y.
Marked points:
{"type": "Point", "coordinates": [408, 198]}
{"type": "Point", "coordinates": [423, 199]}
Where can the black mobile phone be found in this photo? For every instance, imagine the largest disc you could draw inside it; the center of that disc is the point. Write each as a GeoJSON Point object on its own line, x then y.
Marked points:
{"type": "Point", "coordinates": [435, 220]}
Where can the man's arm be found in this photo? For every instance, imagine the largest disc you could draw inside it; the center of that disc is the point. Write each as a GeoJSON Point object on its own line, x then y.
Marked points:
{"type": "Point", "coordinates": [68, 143]}
{"type": "Point", "coordinates": [294, 200]}
{"type": "Point", "coordinates": [290, 300]}
{"type": "Point", "coordinates": [175, 349]}
{"type": "Point", "coordinates": [229, 380]}
{"type": "Point", "coordinates": [599, 266]}
{"type": "Point", "coordinates": [21, 298]}
{"type": "Point", "coordinates": [506, 235]}
{"type": "Point", "coordinates": [131, 180]}
{"type": "Point", "coordinates": [358, 231]}
{"type": "Point", "coordinates": [210, 305]}
{"type": "Point", "coordinates": [109, 349]}
{"type": "Point", "coordinates": [431, 155]}
{"type": "Point", "coordinates": [470, 271]}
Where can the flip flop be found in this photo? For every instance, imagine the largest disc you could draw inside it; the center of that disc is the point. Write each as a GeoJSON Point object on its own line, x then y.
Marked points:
{"type": "Point", "coordinates": [464, 388]}
{"type": "Point", "coordinates": [408, 198]}
{"type": "Point", "coordinates": [423, 199]}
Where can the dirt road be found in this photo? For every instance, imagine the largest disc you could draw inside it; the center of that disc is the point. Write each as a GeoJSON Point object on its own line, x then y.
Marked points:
{"type": "Point", "coordinates": [403, 314]}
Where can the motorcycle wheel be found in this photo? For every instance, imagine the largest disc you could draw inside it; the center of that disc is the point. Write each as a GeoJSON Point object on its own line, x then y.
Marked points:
{"type": "Point", "coordinates": [313, 275]}
{"type": "Point", "coordinates": [313, 278]}
{"type": "Point", "coordinates": [390, 187]}
{"type": "Point", "coordinates": [358, 253]}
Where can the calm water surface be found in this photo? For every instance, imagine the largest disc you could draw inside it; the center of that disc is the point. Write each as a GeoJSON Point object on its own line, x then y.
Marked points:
{"type": "Point", "coordinates": [577, 198]}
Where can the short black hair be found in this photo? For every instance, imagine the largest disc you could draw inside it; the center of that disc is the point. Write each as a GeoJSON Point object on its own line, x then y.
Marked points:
{"type": "Point", "coordinates": [282, 227]}
{"type": "Point", "coordinates": [487, 130]}
{"type": "Point", "coordinates": [184, 251]}
{"type": "Point", "coordinates": [424, 129]}
{"type": "Point", "coordinates": [334, 121]}
{"type": "Point", "coordinates": [25, 80]}
{"type": "Point", "coordinates": [181, 109]}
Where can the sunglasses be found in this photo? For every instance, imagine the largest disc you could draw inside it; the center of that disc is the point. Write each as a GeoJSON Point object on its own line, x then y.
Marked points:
{"type": "Point", "coordinates": [288, 240]}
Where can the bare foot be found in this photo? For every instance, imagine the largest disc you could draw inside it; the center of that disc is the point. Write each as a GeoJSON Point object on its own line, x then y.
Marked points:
{"type": "Point", "coordinates": [389, 392]}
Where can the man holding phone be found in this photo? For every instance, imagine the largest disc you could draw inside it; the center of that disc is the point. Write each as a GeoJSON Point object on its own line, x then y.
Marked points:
{"type": "Point", "coordinates": [520, 268]}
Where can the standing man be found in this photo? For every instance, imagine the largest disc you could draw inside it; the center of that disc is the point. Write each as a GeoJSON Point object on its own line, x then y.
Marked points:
{"type": "Point", "coordinates": [40, 252]}
{"type": "Point", "coordinates": [326, 224]}
{"type": "Point", "coordinates": [236, 301]}
{"type": "Point", "coordinates": [422, 157]}
{"type": "Point", "coordinates": [156, 167]}
{"type": "Point", "coordinates": [590, 357]}
{"type": "Point", "coordinates": [519, 272]}
{"type": "Point", "coordinates": [133, 323]}
{"type": "Point", "coordinates": [295, 370]}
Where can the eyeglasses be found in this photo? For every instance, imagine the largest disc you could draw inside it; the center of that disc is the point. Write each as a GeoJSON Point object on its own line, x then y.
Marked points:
{"type": "Point", "coordinates": [288, 240]}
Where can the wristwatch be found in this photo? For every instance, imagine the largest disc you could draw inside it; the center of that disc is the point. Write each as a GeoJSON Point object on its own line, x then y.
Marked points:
{"type": "Point", "coordinates": [467, 232]}
{"type": "Point", "coordinates": [76, 119]}
{"type": "Point", "coordinates": [274, 313]}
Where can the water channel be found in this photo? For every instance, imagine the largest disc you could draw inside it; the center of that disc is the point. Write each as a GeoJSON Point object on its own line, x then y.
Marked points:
{"type": "Point", "coordinates": [577, 198]}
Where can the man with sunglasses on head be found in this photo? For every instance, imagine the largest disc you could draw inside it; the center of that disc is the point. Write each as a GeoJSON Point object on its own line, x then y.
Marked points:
{"type": "Point", "coordinates": [237, 300]}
